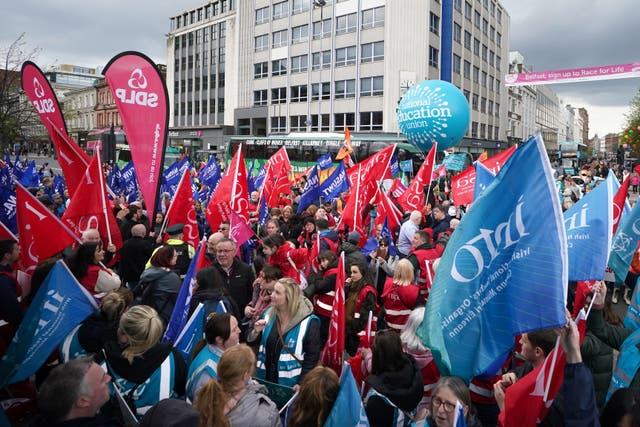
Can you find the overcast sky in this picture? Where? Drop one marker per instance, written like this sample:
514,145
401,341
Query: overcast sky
551,34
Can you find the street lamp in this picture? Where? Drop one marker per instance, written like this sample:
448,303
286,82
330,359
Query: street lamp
320,4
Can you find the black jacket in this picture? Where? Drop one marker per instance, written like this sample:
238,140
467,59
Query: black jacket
133,256
238,283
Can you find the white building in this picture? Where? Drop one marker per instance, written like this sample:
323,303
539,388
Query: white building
522,103
78,106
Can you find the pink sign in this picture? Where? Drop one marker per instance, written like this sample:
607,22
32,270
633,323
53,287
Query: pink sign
606,72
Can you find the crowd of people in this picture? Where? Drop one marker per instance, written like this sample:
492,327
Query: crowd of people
279,297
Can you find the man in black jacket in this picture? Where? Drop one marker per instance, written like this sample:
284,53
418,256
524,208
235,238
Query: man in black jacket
237,275
134,253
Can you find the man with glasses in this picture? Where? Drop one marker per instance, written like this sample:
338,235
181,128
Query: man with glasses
238,276
224,229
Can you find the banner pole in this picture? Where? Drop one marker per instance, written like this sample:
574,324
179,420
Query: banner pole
102,198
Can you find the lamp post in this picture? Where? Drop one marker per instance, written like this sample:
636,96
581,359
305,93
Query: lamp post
320,4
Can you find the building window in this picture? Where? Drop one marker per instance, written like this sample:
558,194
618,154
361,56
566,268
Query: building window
321,59
493,9
299,93
315,91
483,79
262,42
325,122
434,23
467,69
498,61
474,129
300,34
371,86
343,120
499,17
345,56
279,67
279,95
371,120
490,84
260,70
476,74
300,63
372,52
497,86
497,112
458,5
322,29
499,39
474,101
373,17
457,32
433,56
476,47
298,123
299,6
467,94
483,128
260,97
485,27
456,63
496,131
476,19
279,38
492,33
346,23
490,108
492,57
485,49
483,104
262,15
278,124
345,89
467,40
280,10
468,10
489,131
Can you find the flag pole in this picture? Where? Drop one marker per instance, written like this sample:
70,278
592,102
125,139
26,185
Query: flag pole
547,386
166,214
102,198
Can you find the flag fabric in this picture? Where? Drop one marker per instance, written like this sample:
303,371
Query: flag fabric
455,161
88,208
347,147
114,179
484,156
632,318
458,417
59,306
334,348
395,166
239,230
276,178
507,260
257,181
335,183
42,233
625,244
311,191
173,174
129,182
347,410
440,171
263,214
386,232
180,313
6,233
210,176
192,332
30,176
231,193
387,211
182,210
413,198
484,177
589,224
620,202
141,96
397,188
59,185
8,208
325,161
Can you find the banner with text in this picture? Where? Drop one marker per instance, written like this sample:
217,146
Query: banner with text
606,72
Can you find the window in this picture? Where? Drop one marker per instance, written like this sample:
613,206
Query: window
371,120
261,42
493,9
324,122
315,91
345,56
457,32
260,70
373,17
476,74
322,29
467,40
298,123
490,107
280,10
262,15
433,56
300,63
299,6
279,38
492,33
346,23
299,34
467,69
321,59
476,46
485,27
492,57
260,97
474,129
467,94
342,120
490,84
498,61
345,89
474,101
496,131
489,131
485,49
456,63
497,112
279,67
372,52
299,93
497,86
476,19
468,10
279,95
483,104
434,23
499,17
278,124
483,79
498,39
458,5
371,86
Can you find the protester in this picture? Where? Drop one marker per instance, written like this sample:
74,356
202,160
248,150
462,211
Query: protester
321,290
407,230
622,407
237,276
134,255
382,264
262,290
11,311
351,249
438,221
400,296
171,413
233,399
318,392
160,284
361,299
144,368
329,239
421,257
307,236
221,332
446,393
184,250
288,335
280,253
85,266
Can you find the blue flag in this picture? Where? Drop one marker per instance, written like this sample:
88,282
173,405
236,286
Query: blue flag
325,161
393,165
114,180
386,232
335,184
263,214
311,192
59,306
171,176
484,177
455,161
347,410
625,244
632,319
129,182
6,178
59,185
30,176
256,182
589,225
406,166
458,418
504,271
192,333
180,313
210,174
8,208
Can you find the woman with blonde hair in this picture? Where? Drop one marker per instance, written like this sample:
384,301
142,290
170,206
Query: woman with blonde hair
400,296
233,399
288,335
141,366
318,392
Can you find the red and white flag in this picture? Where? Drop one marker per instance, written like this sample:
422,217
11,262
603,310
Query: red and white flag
334,348
413,198
387,210
182,211
5,233
619,201
276,180
89,207
231,194
42,233
397,188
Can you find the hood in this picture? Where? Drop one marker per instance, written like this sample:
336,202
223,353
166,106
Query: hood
142,366
153,273
422,359
166,281
304,310
403,387
348,247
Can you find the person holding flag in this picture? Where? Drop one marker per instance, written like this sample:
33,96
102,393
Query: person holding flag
449,393
361,309
11,311
321,290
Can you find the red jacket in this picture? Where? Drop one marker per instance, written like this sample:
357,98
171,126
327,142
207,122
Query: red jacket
286,257
398,302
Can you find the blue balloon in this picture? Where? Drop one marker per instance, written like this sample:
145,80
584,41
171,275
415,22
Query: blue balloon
433,111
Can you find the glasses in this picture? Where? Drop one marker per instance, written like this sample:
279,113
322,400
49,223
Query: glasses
382,245
447,406
222,229
224,251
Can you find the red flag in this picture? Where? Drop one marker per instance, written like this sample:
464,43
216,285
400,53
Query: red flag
440,172
334,348
619,201
375,166
276,180
347,147
413,198
42,233
280,186
202,261
231,194
397,188
387,210
5,233
141,96
313,265
88,208
182,211
239,230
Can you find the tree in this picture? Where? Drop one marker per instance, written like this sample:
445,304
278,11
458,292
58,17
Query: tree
16,113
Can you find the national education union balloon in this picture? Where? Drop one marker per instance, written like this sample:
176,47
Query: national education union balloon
433,111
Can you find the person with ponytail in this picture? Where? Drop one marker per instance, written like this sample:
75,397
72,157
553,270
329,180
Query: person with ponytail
318,392
221,333
233,400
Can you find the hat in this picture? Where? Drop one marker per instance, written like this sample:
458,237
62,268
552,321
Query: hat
309,219
354,237
170,413
175,228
